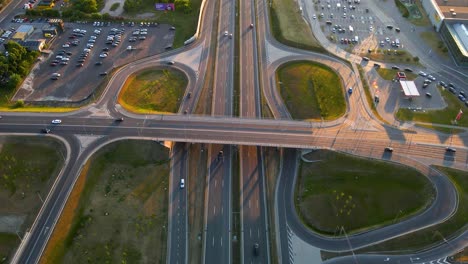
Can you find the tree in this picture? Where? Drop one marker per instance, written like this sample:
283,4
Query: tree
86,6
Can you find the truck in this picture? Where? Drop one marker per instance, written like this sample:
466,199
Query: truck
351,29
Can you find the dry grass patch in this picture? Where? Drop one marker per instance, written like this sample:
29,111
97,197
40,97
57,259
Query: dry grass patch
121,215
154,91
28,169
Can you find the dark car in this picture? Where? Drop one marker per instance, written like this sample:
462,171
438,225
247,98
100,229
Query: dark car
256,249
408,70
98,63
120,119
103,73
395,67
365,58
45,130
450,149
79,65
389,149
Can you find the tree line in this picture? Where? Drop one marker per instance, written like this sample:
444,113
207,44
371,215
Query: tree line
15,64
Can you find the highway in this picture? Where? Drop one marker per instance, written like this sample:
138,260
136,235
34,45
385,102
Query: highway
177,239
217,238
357,133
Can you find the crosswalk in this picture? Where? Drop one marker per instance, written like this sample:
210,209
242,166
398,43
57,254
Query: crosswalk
437,261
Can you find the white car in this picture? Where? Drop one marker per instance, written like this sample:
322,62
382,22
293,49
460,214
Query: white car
65,46
56,121
314,16
432,78
182,183
423,74
226,33
103,55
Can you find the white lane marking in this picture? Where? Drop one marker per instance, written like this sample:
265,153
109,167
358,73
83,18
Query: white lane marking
222,210
221,242
213,241
214,210
216,183
250,232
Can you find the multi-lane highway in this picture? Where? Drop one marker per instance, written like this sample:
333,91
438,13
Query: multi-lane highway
259,55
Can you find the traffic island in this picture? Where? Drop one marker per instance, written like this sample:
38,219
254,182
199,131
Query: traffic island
311,91
151,91
337,193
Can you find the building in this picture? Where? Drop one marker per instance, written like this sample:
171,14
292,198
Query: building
37,44
450,19
23,32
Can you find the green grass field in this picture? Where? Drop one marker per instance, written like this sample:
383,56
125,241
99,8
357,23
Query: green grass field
444,116
401,56
342,190
154,91
311,90
117,212
28,168
423,238
436,43
289,28
390,74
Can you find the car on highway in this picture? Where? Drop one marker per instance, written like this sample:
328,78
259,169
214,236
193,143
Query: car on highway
182,183
395,67
226,33
56,121
408,70
350,90
252,25
389,149
45,130
103,73
120,119
256,249
170,63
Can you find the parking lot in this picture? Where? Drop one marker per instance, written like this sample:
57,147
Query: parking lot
354,25
83,55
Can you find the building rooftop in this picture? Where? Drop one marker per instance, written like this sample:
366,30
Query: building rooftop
459,32
25,29
460,7
409,88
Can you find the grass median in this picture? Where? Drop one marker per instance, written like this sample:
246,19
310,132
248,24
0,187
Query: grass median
153,91
390,74
358,194
288,26
435,234
117,211
28,166
311,90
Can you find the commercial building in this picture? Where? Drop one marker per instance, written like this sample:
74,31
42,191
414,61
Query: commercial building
450,18
23,32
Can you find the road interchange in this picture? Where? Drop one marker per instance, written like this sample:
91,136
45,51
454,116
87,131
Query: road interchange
219,129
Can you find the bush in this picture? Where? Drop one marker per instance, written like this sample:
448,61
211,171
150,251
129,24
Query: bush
114,6
18,104
416,59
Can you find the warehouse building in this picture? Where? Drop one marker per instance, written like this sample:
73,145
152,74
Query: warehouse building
450,19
